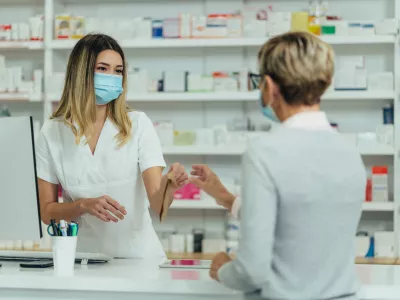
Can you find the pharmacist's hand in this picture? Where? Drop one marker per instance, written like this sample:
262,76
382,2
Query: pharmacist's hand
104,208
181,177
219,260
205,179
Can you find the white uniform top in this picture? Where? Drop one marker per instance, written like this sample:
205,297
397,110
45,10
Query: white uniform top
111,171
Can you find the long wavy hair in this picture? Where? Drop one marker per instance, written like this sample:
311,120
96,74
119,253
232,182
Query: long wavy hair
77,107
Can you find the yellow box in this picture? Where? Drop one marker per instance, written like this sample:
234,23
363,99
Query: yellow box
299,21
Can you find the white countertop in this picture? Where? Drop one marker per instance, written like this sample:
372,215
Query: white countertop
136,276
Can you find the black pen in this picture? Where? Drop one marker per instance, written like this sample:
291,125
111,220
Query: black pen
54,226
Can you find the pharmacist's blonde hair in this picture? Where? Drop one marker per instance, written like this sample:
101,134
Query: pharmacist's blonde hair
77,107
301,64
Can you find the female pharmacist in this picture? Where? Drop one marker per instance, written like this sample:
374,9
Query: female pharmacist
303,186
104,155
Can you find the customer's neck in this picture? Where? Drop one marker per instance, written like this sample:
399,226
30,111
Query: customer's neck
290,111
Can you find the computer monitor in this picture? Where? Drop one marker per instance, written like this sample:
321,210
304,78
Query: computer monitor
19,197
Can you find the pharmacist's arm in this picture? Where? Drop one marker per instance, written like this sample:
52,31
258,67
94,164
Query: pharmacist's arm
251,268
151,164
51,209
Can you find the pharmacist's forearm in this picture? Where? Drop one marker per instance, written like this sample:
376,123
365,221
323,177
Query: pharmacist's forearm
62,211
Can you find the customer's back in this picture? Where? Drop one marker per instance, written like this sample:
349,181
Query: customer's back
320,182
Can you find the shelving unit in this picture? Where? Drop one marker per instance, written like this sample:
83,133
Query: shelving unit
213,43
240,149
207,109
252,96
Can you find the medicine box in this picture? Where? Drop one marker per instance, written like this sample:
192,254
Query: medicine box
62,27
381,81
379,184
77,27
351,73
387,27
384,244
175,81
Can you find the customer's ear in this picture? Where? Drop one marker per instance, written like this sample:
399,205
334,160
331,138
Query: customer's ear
271,90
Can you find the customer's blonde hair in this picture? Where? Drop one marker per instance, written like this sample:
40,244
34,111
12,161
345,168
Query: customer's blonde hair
301,64
77,107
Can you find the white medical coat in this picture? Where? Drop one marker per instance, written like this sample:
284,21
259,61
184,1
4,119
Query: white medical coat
111,171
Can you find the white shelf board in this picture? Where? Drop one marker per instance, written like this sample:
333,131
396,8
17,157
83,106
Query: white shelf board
211,204
196,204
30,45
225,42
378,206
204,150
19,97
244,96
358,95
239,150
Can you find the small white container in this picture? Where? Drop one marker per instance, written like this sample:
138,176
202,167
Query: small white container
177,243
189,243
64,252
384,244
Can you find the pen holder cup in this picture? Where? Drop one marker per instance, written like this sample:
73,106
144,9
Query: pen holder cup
64,251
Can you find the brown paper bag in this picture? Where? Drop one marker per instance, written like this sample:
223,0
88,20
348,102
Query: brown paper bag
167,198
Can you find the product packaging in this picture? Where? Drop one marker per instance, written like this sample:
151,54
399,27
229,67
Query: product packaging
62,27
77,27
387,27
382,81
171,28
384,244
379,184
157,29
199,26
350,73
234,26
165,131
175,81
299,21
217,26
185,26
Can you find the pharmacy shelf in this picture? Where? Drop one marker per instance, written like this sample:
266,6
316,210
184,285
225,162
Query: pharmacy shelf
225,42
211,204
239,150
28,45
244,96
19,97
378,206
204,150
196,204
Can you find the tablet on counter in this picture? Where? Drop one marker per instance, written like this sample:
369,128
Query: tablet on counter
187,264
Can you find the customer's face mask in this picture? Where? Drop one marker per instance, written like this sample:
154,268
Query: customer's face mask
267,110
107,87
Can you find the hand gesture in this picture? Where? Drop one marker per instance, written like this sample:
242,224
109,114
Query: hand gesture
180,175
104,208
219,260
205,179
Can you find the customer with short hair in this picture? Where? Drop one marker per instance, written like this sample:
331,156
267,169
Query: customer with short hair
303,185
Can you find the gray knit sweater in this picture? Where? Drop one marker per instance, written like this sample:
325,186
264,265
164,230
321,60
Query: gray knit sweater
302,201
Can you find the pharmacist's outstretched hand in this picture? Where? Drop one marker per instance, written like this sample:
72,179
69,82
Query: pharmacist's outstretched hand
181,177
105,208
204,178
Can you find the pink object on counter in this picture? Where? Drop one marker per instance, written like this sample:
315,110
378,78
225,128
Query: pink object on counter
188,192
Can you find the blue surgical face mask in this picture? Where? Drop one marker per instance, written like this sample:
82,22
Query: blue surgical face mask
267,110
107,87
